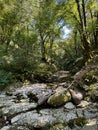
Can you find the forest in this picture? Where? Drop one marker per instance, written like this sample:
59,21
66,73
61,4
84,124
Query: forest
48,64
39,37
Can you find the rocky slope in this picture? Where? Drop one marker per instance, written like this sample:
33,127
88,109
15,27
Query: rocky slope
20,110
50,106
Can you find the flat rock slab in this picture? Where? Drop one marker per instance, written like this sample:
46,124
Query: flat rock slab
17,108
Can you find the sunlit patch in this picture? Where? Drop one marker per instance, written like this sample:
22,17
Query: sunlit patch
66,31
92,122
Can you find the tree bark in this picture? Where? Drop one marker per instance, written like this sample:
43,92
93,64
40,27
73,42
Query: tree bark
43,51
75,42
83,35
84,14
96,30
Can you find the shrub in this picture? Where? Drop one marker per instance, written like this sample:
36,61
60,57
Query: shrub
5,78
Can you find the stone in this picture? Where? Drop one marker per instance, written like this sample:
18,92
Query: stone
38,92
30,88
26,115
33,119
71,115
76,96
60,76
59,98
14,128
89,114
69,105
83,104
5,128
18,107
6,103
25,118
91,125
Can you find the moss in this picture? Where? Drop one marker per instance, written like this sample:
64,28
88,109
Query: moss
77,122
59,99
58,126
90,77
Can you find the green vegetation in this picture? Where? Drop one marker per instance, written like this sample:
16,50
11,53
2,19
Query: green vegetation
32,42
5,78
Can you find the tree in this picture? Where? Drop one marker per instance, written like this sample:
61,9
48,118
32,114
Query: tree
47,26
80,15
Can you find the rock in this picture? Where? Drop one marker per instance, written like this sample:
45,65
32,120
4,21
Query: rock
30,88
14,128
25,116
34,92
45,117
89,115
60,76
6,128
42,100
17,108
6,101
91,125
83,104
69,105
71,115
76,96
59,98
33,120
80,113
38,92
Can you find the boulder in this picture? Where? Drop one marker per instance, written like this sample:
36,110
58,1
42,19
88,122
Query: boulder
76,96
59,98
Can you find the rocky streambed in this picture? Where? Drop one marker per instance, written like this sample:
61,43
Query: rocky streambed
38,107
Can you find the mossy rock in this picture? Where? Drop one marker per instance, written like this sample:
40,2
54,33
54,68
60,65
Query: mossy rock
59,99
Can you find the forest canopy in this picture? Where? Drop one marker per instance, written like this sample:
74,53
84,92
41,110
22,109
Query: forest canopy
32,36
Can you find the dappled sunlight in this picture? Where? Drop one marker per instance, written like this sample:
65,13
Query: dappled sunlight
92,122
8,59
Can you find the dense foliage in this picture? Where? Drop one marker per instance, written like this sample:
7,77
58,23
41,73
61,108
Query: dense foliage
32,36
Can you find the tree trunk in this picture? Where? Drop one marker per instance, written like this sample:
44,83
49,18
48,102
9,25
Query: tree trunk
43,51
93,40
51,51
84,14
96,30
83,34
75,42
86,48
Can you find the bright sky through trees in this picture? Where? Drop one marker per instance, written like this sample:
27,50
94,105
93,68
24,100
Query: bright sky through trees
66,31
